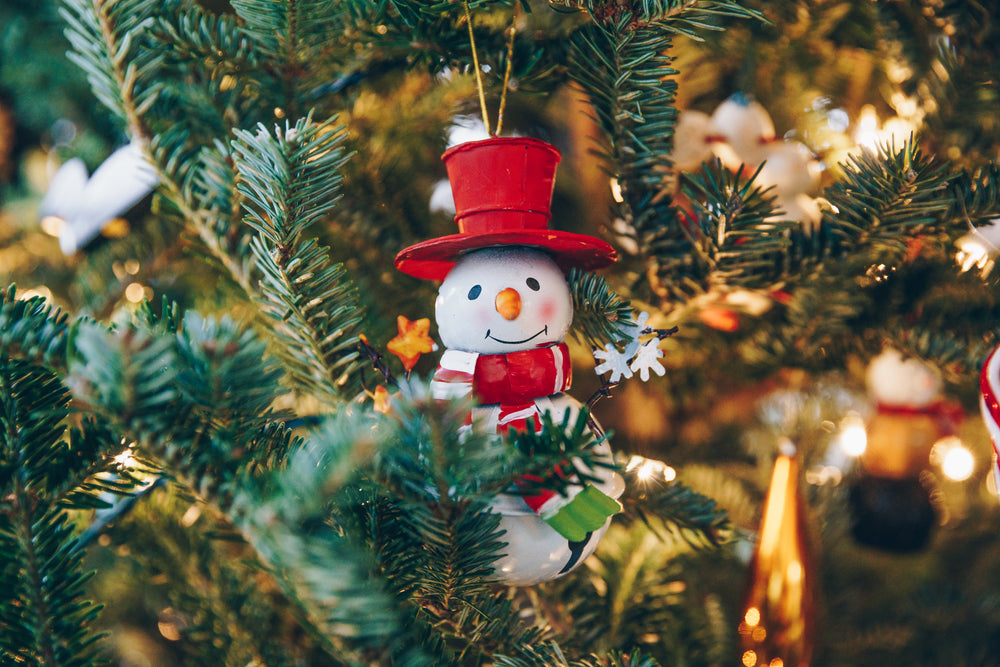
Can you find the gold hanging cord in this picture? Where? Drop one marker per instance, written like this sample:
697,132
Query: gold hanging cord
479,74
506,73
475,63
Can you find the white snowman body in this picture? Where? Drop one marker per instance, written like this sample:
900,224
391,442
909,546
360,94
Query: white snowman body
508,299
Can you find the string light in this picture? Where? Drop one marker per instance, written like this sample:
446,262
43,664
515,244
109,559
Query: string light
869,134
650,469
135,292
852,438
978,249
52,225
125,459
955,459
41,291
616,191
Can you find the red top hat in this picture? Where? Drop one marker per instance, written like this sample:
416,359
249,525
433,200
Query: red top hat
503,196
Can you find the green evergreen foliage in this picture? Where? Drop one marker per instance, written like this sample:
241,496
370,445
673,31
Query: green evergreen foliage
732,239
302,292
32,330
296,143
44,475
599,314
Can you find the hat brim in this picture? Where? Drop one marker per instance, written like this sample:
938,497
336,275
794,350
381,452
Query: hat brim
433,259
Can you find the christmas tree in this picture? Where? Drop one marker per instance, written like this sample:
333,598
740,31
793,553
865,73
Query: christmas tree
226,437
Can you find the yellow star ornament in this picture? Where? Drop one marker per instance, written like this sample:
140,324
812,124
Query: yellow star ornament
413,340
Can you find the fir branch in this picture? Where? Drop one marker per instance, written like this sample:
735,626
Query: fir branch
286,517
434,535
598,313
196,399
107,40
110,42
42,609
89,468
32,330
289,180
76,473
543,654
194,37
886,197
976,196
959,356
428,461
291,37
44,615
733,239
625,72
128,375
559,456
622,63
225,369
685,17
676,508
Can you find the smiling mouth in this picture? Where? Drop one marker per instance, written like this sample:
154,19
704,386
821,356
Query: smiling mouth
544,330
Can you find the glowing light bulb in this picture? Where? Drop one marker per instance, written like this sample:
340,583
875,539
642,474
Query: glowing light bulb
125,459
616,191
649,469
41,291
957,462
867,134
135,292
978,249
52,225
852,439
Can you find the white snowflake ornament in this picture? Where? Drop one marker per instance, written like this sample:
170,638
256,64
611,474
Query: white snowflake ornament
647,360
643,356
618,362
614,361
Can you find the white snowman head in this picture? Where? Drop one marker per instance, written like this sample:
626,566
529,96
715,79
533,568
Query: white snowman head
900,381
503,299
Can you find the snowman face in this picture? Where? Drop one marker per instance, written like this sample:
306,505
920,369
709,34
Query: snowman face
499,300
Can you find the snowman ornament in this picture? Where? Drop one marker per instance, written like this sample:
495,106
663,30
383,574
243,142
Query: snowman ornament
503,311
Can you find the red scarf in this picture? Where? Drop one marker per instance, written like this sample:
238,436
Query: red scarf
514,380
947,414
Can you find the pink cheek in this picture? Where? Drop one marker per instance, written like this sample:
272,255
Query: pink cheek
547,310
482,317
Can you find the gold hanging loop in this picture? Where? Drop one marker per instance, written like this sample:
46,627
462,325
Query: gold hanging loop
475,62
506,73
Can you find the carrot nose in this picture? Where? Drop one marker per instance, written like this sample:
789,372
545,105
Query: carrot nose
508,303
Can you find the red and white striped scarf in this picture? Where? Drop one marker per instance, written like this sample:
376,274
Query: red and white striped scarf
513,380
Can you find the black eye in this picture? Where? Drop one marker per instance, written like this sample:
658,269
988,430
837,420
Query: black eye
475,292
533,284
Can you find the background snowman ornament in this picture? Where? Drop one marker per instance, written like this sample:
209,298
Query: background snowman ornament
741,135
503,311
891,500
